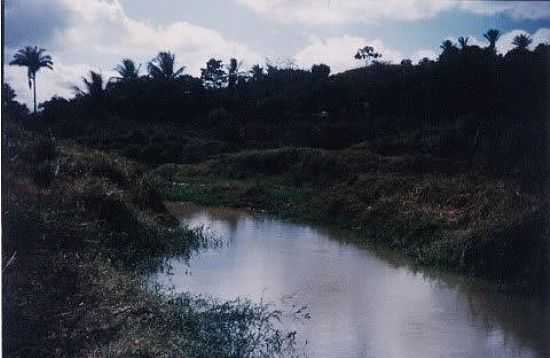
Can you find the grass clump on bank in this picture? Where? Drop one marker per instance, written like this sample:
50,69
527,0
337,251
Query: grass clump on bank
76,250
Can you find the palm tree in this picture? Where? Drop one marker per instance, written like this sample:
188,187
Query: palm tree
447,46
522,41
34,59
93,86
127,70
162,67
463,41
257,72
492,36
450,50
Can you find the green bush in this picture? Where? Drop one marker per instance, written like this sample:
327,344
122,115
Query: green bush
146,194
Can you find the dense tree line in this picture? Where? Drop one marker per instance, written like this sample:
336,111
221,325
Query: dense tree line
470,104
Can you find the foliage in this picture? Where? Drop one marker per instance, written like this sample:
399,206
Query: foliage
127,70
495,128
93,87
492,35
522,41
213,75
34,59
10,105
76,251
163,67
367,54
320,71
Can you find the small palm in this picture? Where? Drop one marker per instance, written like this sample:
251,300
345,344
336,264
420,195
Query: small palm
127,70
492,36
522,41
163,67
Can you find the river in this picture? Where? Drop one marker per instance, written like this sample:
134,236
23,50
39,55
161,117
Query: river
345,300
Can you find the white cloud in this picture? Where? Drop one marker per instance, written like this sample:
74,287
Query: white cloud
342,11
338,52
99,34
315,12
531,10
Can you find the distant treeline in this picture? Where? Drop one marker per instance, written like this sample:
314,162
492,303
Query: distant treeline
471,104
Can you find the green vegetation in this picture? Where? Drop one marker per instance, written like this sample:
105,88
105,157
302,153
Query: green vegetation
82,228
465,222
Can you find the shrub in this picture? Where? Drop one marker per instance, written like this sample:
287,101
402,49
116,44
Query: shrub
146,195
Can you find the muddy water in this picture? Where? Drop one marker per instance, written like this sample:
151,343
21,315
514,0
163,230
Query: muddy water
358,303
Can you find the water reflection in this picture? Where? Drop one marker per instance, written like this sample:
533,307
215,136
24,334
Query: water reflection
357,302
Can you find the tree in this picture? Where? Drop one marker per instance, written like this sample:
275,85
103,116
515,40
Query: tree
34,59
127,70
8,94
406,62
449,50
463,41
257,73
367,54
522,41
213,76
320,71
425,61
492,35
93,87
233,72
9,105
447,45
163,67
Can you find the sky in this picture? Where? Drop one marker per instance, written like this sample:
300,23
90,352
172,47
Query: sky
84,35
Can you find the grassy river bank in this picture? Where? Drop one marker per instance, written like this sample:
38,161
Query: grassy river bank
82,228
435,213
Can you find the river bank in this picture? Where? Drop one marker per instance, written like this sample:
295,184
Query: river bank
451,219
83,227
82,230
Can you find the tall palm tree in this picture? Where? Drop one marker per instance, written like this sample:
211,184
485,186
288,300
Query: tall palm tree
162,67
492,36
127,70
463,41
34,59
522,41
